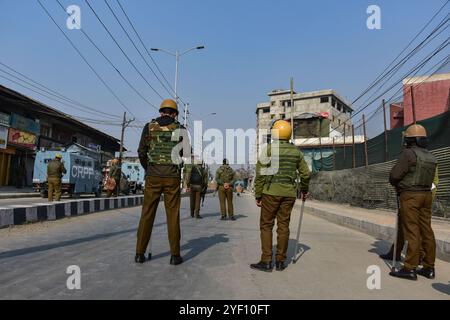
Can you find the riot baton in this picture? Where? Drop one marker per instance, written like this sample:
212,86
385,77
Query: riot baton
394,254
297,254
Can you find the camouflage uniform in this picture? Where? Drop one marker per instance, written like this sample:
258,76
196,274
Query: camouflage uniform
278,193
158,139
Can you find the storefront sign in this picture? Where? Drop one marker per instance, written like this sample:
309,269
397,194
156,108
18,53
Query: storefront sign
21,138
4,119
3,137
25,124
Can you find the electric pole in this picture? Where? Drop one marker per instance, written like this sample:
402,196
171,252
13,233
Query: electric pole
292,109
125,124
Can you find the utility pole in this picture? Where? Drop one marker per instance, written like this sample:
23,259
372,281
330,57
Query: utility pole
125,124
186,112
292,109
177,60
365,141
413,106
385,133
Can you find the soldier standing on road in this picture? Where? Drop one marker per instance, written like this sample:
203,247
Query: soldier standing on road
224,179
158,142
114,173
196,180
55,171
413,177
276,192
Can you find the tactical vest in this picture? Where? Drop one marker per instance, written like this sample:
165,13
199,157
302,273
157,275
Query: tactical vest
422,175
161,141
227,173
288,157
196,176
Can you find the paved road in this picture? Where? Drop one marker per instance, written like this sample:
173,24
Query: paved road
34,258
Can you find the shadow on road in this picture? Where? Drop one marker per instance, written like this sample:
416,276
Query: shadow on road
302,249
382,247
45,247
442,287
197,246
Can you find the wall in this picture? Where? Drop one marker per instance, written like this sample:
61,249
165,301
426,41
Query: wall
430,99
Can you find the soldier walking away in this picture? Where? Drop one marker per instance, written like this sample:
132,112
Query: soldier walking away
163,176
276,194
55,171
413,177
196,179
114,173
224,178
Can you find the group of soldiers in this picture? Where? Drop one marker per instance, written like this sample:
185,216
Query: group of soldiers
276,192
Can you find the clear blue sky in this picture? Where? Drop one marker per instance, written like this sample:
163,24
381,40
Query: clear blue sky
252,47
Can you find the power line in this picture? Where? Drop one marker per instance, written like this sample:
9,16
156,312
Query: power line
82,56
71,105
137,49
124,53
113,66
404,49
402,62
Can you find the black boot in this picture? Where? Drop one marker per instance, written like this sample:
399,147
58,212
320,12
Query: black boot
199,217
427,273
192,214
176,260
262,266
280,266
404,274
149,256
232,218
139,258
389,256
223,218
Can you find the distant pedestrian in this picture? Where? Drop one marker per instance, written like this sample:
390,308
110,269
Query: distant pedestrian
225,176
55,171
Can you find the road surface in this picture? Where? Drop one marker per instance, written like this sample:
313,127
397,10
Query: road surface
34,259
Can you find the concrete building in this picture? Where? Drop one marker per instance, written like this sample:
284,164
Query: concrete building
27,125
431,98
320,118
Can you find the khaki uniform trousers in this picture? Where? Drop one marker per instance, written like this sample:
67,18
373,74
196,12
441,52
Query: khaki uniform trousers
154,188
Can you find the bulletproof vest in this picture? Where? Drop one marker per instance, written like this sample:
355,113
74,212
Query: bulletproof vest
288,157
196,176
422,175
227,174
161,141
54,169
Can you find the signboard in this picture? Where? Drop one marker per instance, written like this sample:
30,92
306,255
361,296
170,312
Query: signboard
3,137
25,124
21,138
4,119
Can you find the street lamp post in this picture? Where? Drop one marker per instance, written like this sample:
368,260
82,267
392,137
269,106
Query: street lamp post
177,56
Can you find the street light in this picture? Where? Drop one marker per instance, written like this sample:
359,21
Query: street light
177,56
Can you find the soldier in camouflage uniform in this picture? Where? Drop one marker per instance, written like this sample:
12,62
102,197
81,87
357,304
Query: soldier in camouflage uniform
55,171
276,192
196,180
224,178
157,152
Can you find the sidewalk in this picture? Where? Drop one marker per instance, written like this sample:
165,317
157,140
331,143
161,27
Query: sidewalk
13,192
378,223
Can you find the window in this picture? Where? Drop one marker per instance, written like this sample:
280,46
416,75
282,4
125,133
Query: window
339,107
136,167
333,102
324,99
266,110
46,130
339,122
272,116
287,103
129,167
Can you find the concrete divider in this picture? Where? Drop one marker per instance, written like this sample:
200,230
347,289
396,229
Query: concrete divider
21,214
16,215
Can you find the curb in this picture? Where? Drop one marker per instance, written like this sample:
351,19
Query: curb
54,211
378,231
